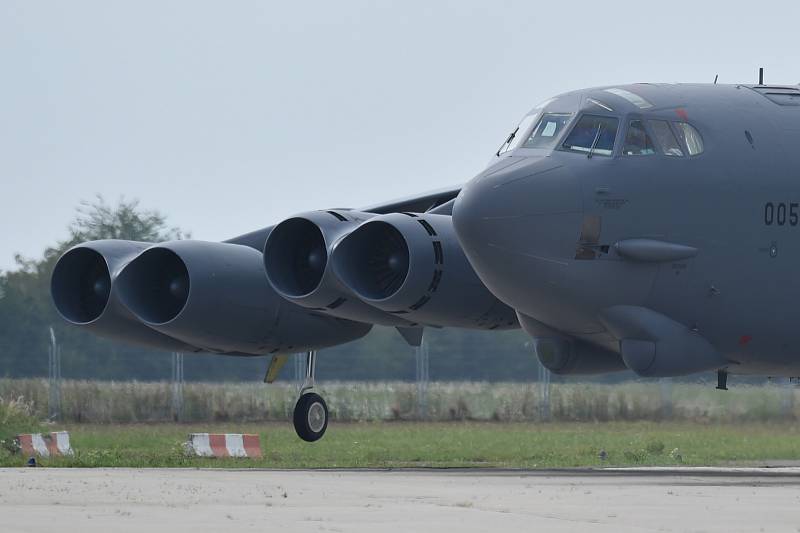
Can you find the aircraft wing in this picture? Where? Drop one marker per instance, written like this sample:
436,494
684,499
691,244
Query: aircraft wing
418,203
436,201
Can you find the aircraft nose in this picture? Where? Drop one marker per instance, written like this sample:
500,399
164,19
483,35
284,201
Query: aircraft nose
520,220
535,198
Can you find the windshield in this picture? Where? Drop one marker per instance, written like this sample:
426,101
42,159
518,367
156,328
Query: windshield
665,138
546,132
691,137
593,134
516,136
637,141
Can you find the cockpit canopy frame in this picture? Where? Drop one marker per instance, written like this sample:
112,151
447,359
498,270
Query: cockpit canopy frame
596,128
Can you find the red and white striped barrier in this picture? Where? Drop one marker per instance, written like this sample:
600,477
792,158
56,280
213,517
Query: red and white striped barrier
47,445
223,445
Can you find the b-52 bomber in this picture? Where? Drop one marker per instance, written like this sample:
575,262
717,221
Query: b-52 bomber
649,227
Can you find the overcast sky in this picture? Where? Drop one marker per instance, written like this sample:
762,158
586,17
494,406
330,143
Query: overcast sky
229,116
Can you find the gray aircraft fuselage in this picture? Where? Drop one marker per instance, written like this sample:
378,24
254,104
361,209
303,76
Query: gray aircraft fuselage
605,245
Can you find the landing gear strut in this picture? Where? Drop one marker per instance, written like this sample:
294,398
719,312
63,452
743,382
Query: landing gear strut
310,412
722,380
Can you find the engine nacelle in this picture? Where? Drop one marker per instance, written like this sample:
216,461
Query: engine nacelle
412,266
84,290
296,260
216,296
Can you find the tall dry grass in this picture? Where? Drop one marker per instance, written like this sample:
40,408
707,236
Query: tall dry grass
17,416
122,402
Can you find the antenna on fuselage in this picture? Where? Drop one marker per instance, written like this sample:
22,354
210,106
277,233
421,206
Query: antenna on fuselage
761,76
716,78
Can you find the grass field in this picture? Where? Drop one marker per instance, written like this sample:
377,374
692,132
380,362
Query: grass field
136,402
453,444
470,425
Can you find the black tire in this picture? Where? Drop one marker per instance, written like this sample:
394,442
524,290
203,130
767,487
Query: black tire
310,417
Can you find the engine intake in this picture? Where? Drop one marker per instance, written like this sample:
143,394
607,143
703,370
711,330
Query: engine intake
296,259
81,285
155,287
374,261
83,288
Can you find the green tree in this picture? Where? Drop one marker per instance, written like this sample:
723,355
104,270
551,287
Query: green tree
27,311
125,220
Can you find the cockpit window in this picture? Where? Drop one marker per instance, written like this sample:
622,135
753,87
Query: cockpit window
690,137
665,138
594,135
633,98
637,141
546,132
518,135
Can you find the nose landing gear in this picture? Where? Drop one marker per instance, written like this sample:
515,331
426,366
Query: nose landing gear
310,412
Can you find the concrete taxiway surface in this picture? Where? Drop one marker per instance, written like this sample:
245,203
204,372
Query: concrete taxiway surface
123,500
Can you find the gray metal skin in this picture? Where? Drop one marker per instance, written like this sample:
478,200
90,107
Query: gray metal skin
411,265
670,262
215,296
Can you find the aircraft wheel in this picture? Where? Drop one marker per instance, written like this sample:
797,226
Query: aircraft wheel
310,417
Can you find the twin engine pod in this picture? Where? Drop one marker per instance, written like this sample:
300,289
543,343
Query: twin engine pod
215,296
297,261
412,266
84,290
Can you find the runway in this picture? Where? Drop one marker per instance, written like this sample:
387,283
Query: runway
169,500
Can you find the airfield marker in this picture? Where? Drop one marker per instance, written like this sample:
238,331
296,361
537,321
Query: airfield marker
224,445
49,445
